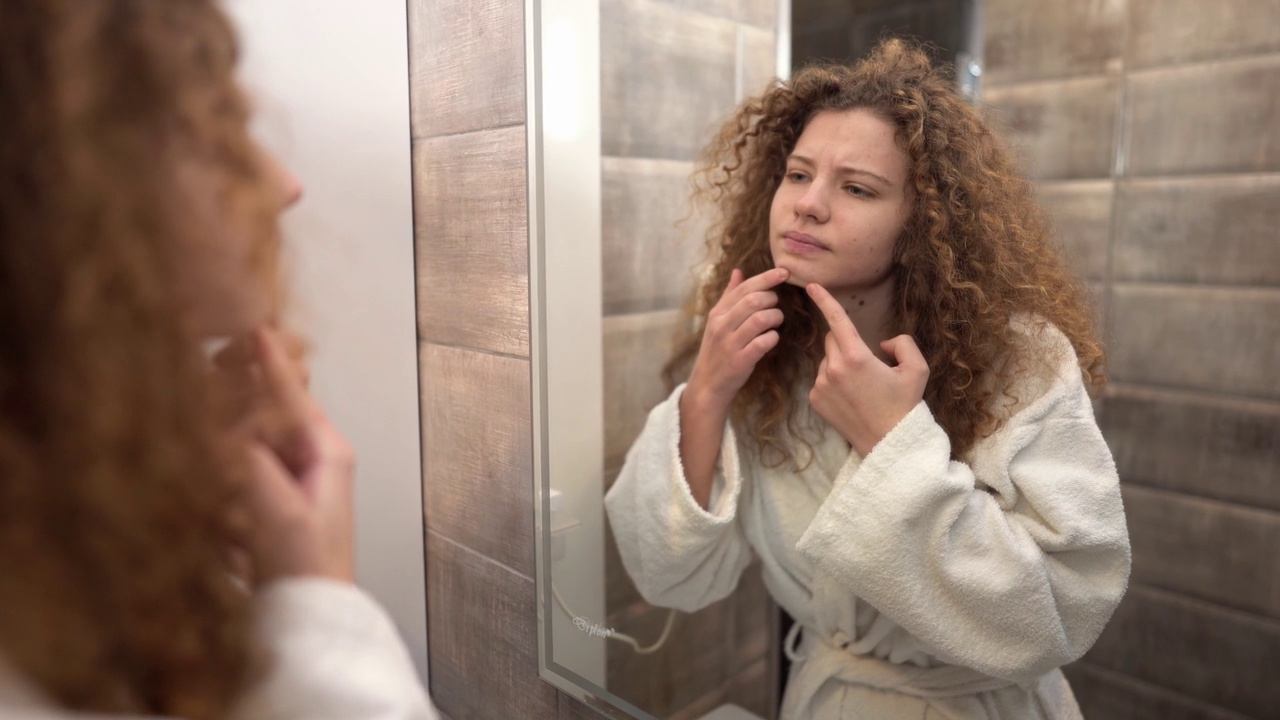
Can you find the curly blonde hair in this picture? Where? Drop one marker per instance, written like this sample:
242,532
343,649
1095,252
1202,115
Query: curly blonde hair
118,494
975,250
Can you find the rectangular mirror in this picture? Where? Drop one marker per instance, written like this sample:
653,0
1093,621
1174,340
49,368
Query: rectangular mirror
622,96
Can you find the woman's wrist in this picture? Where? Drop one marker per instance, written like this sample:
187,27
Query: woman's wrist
700,402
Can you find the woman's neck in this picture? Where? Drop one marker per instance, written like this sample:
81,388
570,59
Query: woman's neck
871,310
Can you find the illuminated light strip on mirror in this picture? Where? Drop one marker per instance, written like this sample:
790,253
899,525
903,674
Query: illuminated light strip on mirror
563,134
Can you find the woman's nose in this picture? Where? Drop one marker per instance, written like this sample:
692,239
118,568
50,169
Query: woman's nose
812,204
290,188
287,185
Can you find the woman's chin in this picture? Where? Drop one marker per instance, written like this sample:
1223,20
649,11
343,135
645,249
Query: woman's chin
797,279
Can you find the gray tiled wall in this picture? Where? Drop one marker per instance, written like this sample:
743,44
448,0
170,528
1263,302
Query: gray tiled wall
1151,126
471,237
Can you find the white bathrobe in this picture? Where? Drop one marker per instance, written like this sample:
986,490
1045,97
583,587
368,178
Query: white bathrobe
335,656
925,587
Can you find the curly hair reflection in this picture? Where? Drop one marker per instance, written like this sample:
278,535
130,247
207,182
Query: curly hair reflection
975,248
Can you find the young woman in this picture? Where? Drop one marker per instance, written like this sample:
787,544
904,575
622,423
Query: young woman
887,403
175,534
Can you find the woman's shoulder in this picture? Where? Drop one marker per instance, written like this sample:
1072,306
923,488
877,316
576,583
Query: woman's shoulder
1042,371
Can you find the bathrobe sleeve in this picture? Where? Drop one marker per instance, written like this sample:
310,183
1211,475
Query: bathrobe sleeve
333,655
678,555
1011,565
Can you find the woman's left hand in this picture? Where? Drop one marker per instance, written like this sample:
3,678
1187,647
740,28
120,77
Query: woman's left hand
855,392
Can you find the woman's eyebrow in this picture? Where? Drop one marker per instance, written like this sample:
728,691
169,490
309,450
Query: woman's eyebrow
844,169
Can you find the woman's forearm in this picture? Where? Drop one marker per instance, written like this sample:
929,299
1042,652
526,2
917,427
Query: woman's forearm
701,432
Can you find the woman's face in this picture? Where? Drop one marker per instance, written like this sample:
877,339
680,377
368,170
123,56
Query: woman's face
842,204
226,287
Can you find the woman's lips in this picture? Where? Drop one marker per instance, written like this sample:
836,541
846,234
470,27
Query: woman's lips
800,243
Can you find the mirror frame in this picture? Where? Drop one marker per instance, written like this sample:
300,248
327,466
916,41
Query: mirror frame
563,136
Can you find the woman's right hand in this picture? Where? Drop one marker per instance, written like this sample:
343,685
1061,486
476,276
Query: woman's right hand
300,487
739,330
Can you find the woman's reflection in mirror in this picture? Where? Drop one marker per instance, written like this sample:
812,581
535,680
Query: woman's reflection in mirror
887,401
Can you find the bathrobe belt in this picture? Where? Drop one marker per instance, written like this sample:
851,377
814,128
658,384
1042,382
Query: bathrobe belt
824,659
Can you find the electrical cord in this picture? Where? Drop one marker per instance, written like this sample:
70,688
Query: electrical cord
619,637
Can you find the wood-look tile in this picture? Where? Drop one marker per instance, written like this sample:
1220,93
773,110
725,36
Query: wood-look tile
759,62
1200,338
753,612
483,637
477,454
1055,40
1163,32
1216,118
808,13
1104,694
1204,445
649,247
694,661
760,13
635,349
1063,129
702,706
471,232
466,65
1208,549
620,589
821,44
573,709
754,689
1081,214
667,78
938,24
1218,656
1208,230
1098,296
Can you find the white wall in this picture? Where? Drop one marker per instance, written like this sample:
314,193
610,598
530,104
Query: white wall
331,79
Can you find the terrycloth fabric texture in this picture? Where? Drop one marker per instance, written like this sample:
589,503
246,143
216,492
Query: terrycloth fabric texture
335,655
925,587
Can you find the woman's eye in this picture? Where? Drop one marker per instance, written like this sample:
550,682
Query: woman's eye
796,176
856,191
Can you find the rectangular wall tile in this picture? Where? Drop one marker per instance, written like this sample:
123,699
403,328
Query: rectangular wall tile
760,13
467,71
1201,338
1216,551
1220,657
1214,230
1081,214
471,228
1162,32
936,21
694,660
758,66
1215,118
755,689
483,644
1104,694
477,454
1053,40
1064,129
1204,445
635,349
753,618
806,13
648,252
573,709
667,78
